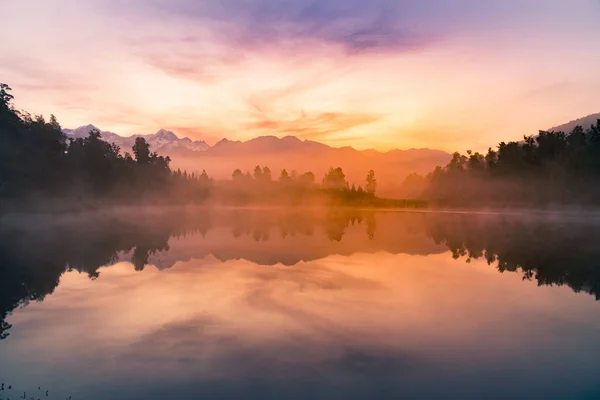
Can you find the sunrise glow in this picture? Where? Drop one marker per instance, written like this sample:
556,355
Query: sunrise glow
382,74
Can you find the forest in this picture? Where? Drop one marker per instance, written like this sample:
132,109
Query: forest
41,168
548,169
292,188
38,164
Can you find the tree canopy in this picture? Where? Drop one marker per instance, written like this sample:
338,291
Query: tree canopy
37,161
549,168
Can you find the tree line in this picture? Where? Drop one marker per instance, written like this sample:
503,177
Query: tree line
550,168
334,179
41,167
262,186
293,188
37,161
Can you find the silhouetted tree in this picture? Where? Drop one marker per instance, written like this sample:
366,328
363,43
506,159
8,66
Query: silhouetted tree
5,96
371,183
258,173
266,173
307,179
284,177
204,176
237,175
37,161
141,150
549,168
335,179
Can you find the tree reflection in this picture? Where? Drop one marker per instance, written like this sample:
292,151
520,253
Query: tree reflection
551,252
371,226
35,253
335,225
33,256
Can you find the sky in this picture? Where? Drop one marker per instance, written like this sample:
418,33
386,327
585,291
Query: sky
383,74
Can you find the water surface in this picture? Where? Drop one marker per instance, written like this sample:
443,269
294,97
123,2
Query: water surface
159,304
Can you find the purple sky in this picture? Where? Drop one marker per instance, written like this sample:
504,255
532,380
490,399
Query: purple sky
450,74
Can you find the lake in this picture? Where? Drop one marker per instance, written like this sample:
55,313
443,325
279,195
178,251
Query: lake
294,304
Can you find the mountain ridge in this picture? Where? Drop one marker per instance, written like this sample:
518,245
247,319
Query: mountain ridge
585,122
296,156
162,141
288,152
272,140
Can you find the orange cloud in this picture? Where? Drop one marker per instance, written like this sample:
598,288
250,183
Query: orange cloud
314,126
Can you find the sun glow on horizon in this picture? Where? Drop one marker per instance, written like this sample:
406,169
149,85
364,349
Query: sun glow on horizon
337,72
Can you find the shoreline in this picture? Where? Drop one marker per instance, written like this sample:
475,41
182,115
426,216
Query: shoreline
67,210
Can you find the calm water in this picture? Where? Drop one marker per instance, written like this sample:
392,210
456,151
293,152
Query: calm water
190,304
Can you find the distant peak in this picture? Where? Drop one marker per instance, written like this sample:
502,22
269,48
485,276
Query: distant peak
165,134
81,131
88,127
225,141
291,139
265,137
584,122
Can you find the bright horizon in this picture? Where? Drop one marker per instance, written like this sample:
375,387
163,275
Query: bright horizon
383,74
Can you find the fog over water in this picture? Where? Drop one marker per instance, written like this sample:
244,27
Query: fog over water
155,303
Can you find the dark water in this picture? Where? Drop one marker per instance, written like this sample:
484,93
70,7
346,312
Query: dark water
280,304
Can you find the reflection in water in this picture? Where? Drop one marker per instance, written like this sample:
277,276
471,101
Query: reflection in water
353,303
552,252
36,251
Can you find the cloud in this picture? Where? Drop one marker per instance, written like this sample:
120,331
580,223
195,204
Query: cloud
316,125
285,111
356,25
34,74
188,55
235,67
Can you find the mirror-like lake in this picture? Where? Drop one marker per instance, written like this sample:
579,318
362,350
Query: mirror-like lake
290,304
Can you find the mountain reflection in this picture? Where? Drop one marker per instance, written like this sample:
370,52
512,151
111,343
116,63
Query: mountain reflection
37,250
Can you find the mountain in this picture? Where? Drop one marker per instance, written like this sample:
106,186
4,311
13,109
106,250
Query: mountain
293,154
83,131
585,122
265,145
288,152
163,141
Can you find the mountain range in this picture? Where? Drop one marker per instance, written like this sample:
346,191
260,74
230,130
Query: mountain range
585,122
293,154
288,153
163,141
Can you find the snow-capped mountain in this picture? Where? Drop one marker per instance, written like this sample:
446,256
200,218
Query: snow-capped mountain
288,152
83,131
163,141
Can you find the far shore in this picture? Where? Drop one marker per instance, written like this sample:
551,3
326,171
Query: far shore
56,208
